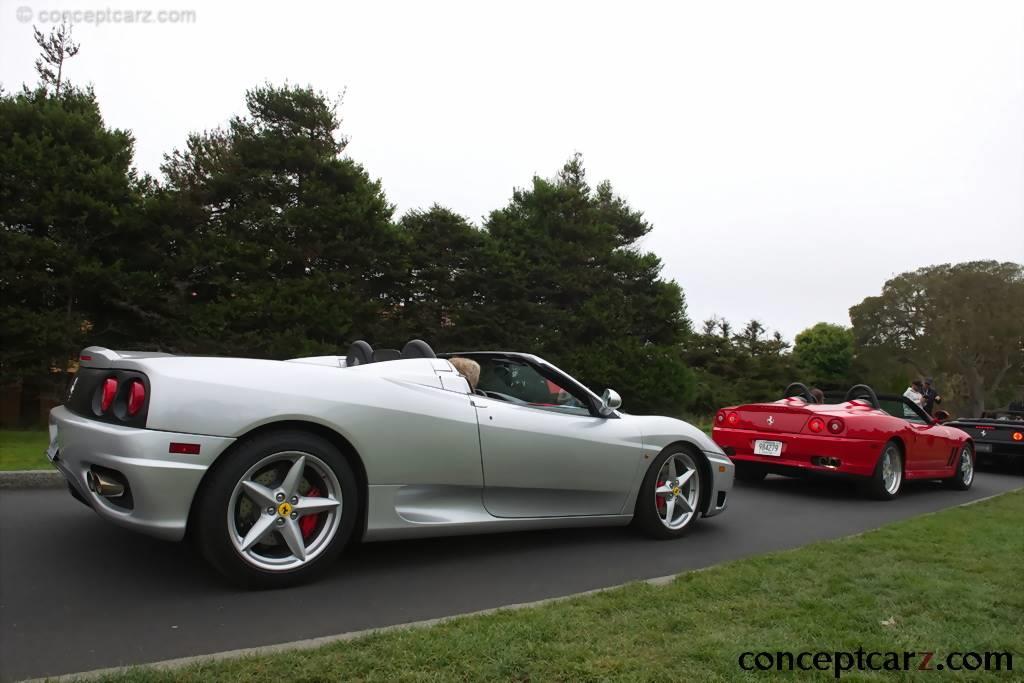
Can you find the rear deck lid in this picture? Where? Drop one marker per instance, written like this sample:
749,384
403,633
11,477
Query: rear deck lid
784,418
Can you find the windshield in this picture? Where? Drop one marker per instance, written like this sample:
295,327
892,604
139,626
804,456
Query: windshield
518,382
903,408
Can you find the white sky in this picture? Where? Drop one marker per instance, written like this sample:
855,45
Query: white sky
791,156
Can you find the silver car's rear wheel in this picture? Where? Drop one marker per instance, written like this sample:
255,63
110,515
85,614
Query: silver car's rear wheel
284,511
277,508
678,491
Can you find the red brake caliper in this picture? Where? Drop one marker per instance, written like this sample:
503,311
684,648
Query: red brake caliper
308,523
659,501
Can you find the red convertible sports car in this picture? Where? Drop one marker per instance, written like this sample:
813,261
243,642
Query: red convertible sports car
882,440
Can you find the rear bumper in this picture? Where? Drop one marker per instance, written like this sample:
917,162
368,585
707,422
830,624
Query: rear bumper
857,457
1008,451
161,484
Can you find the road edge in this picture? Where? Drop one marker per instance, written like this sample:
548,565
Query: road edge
31,479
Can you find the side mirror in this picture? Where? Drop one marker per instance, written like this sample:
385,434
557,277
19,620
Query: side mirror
610,402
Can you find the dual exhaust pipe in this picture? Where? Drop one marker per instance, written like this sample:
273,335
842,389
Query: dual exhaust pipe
104,485
827,462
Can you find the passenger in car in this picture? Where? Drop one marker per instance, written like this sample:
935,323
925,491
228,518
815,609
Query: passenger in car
469,369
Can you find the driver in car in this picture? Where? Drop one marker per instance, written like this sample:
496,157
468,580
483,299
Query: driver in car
469,369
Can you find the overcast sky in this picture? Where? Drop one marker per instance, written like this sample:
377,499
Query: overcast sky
791,156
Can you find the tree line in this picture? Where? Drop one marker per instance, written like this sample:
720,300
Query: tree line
263,238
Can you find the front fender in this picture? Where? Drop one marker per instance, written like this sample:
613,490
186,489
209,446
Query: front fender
657,433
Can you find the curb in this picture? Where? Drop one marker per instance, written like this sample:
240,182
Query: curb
31,479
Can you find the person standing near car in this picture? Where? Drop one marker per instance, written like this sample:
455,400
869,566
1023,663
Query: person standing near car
929,396
915,392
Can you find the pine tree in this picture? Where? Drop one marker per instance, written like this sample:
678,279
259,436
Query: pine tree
278,245
566,280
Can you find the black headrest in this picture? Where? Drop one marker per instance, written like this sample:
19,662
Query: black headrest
359,353
418,348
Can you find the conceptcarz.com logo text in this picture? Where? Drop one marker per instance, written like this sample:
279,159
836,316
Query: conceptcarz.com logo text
105,15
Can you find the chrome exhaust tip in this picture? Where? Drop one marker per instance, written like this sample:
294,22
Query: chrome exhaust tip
101,486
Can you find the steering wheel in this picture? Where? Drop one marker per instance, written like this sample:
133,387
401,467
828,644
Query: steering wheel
360,353
863,391
796,389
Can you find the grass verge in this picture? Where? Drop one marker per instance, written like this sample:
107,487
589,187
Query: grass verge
948,582
23,449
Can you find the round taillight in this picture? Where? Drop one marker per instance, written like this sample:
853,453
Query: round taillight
1018,436
732,418
136,396
835,426
109,392
816,425
720,418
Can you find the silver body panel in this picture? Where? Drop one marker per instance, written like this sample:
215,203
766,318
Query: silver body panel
439,460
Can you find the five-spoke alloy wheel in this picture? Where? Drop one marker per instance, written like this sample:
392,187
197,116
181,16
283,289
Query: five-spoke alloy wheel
670,496
964,475
887,479
277,510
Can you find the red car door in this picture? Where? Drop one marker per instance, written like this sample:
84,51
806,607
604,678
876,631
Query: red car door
930,450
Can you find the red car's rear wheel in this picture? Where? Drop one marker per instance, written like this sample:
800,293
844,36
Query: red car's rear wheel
887,480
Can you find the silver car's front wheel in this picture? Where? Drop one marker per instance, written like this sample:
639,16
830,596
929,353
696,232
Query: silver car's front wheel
669,499
677,491
284,511
276,509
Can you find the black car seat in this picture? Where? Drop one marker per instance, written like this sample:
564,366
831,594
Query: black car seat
359,353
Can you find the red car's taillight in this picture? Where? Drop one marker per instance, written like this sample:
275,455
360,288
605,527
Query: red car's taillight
816,425
835,426
733,419
109,392
720,417
136,396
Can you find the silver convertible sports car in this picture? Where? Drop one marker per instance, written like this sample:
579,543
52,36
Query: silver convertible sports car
272,467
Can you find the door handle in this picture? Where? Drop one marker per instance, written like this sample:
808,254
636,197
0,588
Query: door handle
477,405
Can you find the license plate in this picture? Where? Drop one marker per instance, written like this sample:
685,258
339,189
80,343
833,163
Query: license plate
767,447
983,447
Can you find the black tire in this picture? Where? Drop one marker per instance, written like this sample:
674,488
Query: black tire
875,487
211,532
646,517
749,472
962,480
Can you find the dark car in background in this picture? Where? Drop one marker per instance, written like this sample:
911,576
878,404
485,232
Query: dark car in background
998,435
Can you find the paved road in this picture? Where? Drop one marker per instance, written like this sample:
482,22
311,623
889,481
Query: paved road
79,594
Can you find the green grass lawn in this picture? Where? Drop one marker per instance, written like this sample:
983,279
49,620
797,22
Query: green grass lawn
948,582
23,449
